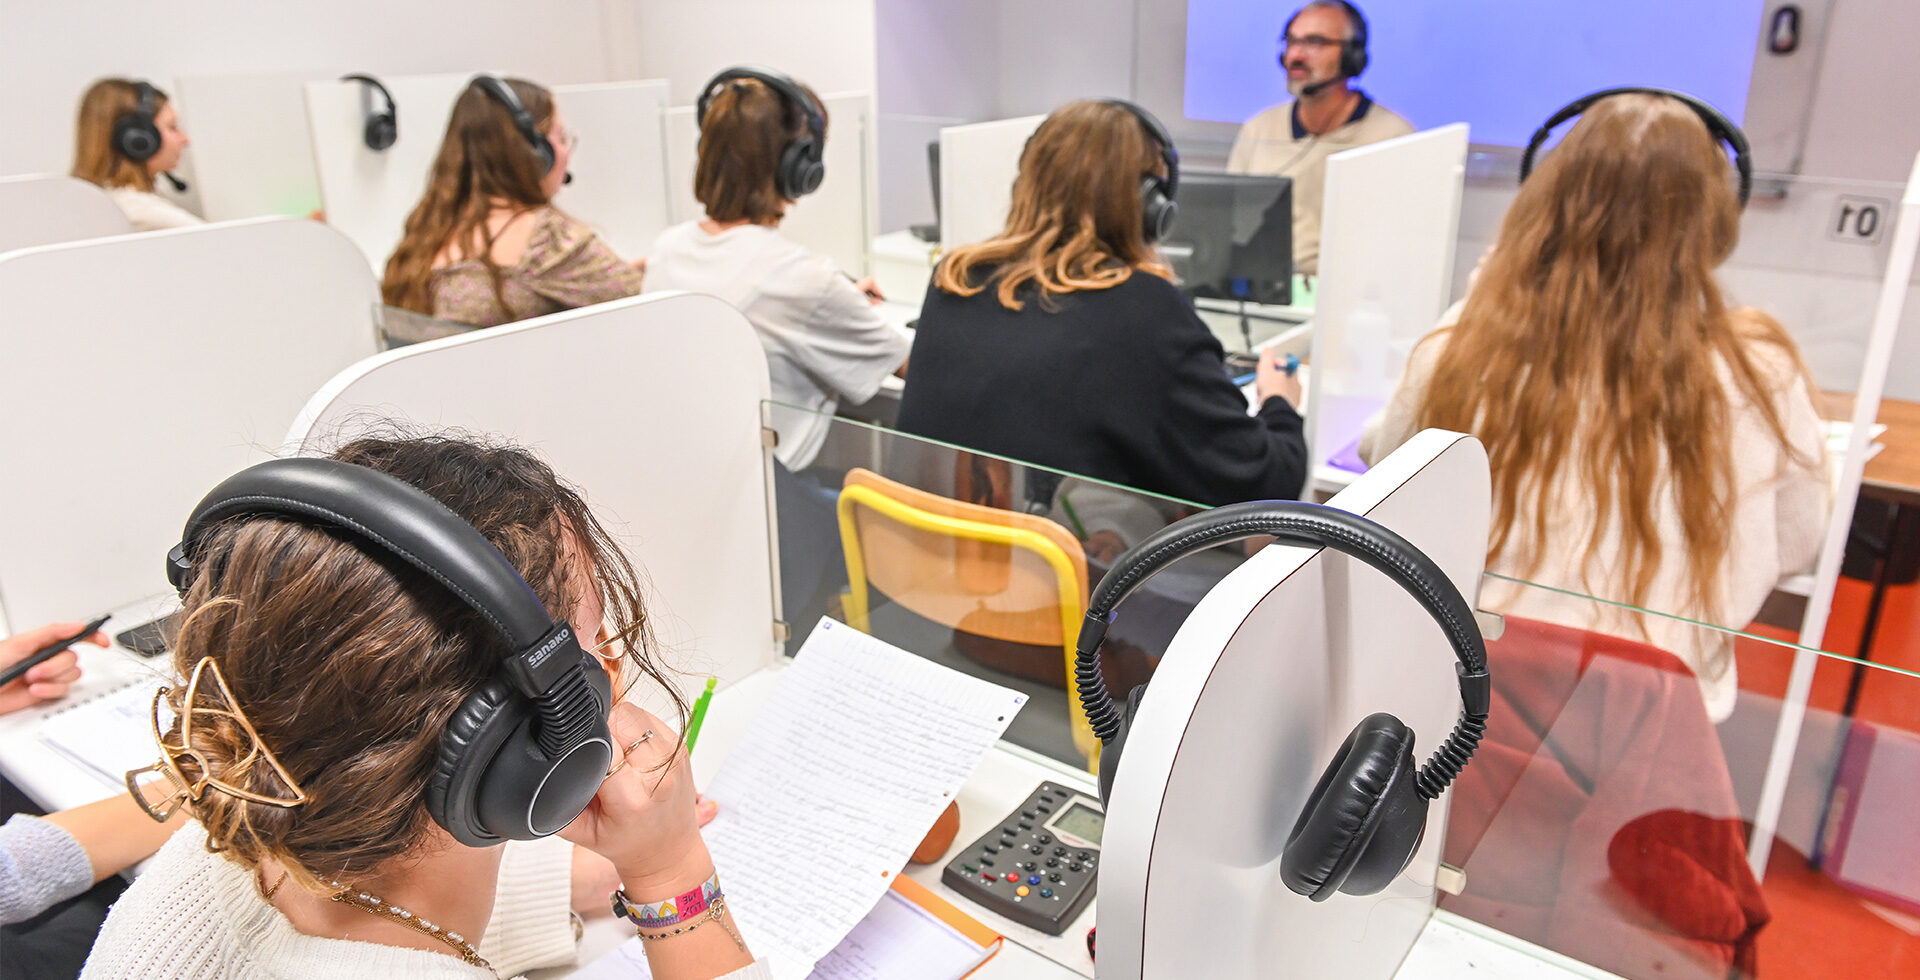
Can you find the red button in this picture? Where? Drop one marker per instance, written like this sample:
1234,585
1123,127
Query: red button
987,875
1012,877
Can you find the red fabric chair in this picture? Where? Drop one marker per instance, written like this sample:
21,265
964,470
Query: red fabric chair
1598,817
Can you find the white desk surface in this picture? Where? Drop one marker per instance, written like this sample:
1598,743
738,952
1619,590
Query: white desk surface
1450,947
51,779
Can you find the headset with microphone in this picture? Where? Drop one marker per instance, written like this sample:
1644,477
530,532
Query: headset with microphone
136,133
1353,50
1368,813
527,751
1722,129
543,151
382,127
1157,208
803,159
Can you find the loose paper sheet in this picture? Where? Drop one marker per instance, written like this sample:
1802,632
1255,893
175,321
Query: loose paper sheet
847,765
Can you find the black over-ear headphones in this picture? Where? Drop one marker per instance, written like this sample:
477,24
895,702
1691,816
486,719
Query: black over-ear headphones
135,135
1368,813
1156,192
803,159
502,93
382,127
1718,124
1353,51
527,751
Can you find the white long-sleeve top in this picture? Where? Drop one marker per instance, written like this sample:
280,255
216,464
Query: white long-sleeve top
1779,516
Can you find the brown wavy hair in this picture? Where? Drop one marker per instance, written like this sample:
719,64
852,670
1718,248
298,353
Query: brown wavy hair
746,127
350,662
483,161
94,158
1593,346
1076,218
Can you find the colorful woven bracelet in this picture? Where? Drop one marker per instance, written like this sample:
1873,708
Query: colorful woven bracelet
684,907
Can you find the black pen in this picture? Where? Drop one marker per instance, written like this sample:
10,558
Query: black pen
48,652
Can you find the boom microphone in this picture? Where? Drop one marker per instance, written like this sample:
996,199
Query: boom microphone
179,185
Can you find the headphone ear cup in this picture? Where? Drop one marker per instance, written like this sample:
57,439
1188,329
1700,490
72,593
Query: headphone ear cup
473,737
1364,819
800,171
136,138
1353,58
1157,209
382,130
543,149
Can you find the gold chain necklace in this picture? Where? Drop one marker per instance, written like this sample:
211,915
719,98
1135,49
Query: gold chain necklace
388,910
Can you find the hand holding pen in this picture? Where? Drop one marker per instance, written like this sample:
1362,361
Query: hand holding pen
1278,375
36,665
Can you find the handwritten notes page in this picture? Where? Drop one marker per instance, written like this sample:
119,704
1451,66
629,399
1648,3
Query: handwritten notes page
838,777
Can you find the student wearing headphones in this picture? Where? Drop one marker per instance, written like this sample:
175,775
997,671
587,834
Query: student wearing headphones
330,744
762,136
1322,49
127,135
1650,444
1064,342
486,246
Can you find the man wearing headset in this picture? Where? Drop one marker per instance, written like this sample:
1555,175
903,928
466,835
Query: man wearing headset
1323,47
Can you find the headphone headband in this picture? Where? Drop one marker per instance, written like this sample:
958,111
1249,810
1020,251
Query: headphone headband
382,128
136,135
1156,131
1718,125
802,164
524,754
523,120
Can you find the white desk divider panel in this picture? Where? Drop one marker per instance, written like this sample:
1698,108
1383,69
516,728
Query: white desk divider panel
139,371
1894,288
252,152
666,447
620,170
1391,216
978,162
45,209
369,194
1262,683
839,219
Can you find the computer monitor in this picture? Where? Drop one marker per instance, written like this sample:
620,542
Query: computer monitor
1234,237
931,233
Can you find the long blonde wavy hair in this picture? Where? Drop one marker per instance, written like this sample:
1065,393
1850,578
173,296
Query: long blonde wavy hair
1593,344
1075,222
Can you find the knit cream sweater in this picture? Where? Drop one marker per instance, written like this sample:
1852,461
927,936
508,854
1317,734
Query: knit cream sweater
194,915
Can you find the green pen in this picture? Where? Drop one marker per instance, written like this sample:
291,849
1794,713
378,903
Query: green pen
700,712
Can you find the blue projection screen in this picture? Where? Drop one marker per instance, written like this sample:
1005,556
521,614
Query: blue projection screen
1501,66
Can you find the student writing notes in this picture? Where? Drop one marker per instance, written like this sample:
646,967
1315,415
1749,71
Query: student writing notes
1063,342
486,245
761,139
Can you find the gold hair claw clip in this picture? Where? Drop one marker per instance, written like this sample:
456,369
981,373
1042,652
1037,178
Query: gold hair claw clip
170,755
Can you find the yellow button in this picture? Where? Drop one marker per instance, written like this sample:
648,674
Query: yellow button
1021,891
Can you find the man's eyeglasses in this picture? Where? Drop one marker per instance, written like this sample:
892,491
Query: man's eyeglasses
1312,42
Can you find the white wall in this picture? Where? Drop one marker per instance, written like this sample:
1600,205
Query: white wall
50,52
828,44
1866,106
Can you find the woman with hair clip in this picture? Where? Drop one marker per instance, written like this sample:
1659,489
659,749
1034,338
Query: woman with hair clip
761,139
1064,342
1650,445
127,135
486,246
324,674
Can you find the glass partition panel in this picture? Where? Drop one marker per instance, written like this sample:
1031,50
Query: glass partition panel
975,561
1611,812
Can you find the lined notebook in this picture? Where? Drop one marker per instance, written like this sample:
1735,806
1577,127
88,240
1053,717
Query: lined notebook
107,734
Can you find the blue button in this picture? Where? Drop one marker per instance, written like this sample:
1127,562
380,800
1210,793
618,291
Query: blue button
1046,893
1033,879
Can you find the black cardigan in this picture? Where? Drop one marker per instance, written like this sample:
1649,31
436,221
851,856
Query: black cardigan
1122,384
